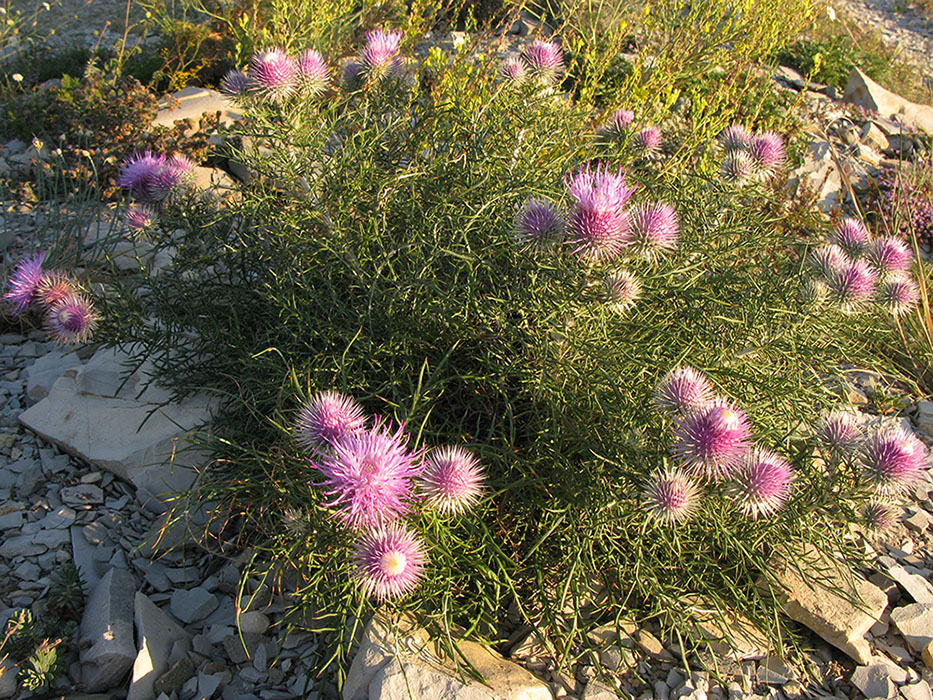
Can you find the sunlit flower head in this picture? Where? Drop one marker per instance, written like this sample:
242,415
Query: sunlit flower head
618,124
682,390
380,57
766,151
813,292
513,70
137,174
647,142
326,417
71,320
671,496
389,562
711,441
139,218
851,236
839,430
538,224
893,459
889,255
273,76
452,480
599,223
878,516
545,60
899,294
737,167
54,287
234,83
24,283
735,138
369,473
826,259
761,484
621,289
655,229
313,73
852,285
175,171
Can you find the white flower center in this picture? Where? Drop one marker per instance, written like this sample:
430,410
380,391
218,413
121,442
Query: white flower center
392,563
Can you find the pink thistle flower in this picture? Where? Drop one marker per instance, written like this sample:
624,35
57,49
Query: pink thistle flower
879,516
827,259
853,285
326,418
671,496
838,430
621,290
762,483
899,294
24,283
380,57
682,390
545,60
889,255
737,167
735,138
648,142
711,441
599,224
313,73
452,480
655,229
767,151
538,224
234,83
389,562
71,320
851,236
273,76
54,288
513,70
369,473
139,218
174,172
138,172
618,124
893,459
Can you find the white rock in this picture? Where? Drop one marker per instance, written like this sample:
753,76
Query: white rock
193,605
865,92
727,633
915,623
156,632
925,416
916,586
107,374
820,174
874,681
919,690
193,102
42,374
107,624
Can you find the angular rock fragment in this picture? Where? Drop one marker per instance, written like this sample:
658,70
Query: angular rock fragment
107,629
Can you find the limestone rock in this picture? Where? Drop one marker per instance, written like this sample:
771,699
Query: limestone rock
865,92
157,632
43,373
192,103
916,586
814,602
819,173
915,623
728,633
107,624
597,691
874,681
8,671
925,416
193,605
919,690
378,671
927,654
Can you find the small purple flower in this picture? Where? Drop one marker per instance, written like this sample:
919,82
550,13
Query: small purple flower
899,294
683,389
389,562
853,285
538,224
71,320
711,441
618,124
655,229
767,151
545,60
369,473
735,138
54,288
647,142
761,484
234,83
621,290
737,167
24,283
313,73
838,430
273,76
671,496
893,459
889,255
327,417
879,516
851,236
139,218
513,70
175,171
452,480
380,57
138,172
827,259
599,224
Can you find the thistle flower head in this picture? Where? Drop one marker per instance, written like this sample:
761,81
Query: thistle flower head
711,441
139,218
234,83
71,320
826,259
766,151
513,70
54,287
621,290
618,124
851,236
380,57
538,224
647,142
327,417
545,60
838,430
813,292
899,294
852,285
878,516
655,229
737,167
893,459
599,224
452,480
138,172
175,171
889,255
389,562
761,484
735,138
671,496
369,473
24,282
273,76
682,390
313,73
